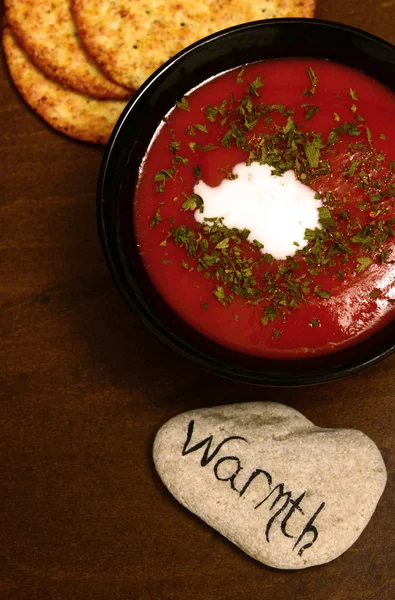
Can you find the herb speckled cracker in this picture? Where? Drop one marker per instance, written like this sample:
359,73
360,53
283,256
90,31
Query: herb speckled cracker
74,114
129,39
47,33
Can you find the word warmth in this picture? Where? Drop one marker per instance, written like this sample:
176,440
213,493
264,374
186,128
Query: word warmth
281,503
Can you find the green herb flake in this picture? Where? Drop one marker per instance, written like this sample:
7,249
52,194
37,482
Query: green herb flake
164,175
314,322
208,147
180,160
351,170
219,293
156,219
324,213
321,293
332,138
363,236
336,117
369,136
239,78
192,202
349,128
353,94
312,154
226,140
236,317
382,136
223,244
276,333
310,111
229,174
166,262
254,86
183,236
201,128
289,126
164,242
211,113
363,263
374,294
314,82
174,146
190,130
193,146
197,172
183,104
205,305
269,314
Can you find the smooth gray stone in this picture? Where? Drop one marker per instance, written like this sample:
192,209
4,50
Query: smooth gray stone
288,493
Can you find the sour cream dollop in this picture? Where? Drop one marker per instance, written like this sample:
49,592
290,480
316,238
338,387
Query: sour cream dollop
276,209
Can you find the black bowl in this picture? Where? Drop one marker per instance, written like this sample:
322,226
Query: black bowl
260,40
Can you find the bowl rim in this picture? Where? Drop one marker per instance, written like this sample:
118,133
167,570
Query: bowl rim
299,378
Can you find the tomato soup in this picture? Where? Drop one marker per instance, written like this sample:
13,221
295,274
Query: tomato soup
314,122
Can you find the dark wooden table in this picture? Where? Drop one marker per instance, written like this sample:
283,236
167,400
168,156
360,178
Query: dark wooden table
84,387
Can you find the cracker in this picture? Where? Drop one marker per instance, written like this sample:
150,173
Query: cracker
47,33
129,39
74,114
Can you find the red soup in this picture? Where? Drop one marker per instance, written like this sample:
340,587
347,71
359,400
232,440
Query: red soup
334,128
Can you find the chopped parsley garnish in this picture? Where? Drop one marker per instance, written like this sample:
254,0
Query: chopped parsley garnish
314,82
183,104
312,150
174,146
192,202
363,263
156,219
201,128
255,85
353,232
375,293
197,171
239,78
310,111
321,293
208,147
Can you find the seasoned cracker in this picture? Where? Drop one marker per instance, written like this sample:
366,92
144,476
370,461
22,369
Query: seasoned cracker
47,33
129,39
74,114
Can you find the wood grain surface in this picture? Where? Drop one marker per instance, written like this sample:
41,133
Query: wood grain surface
84,387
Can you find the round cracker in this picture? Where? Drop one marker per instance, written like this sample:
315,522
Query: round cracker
74,114
129,39
47,33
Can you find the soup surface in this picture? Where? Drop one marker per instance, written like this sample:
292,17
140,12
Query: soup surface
314,122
